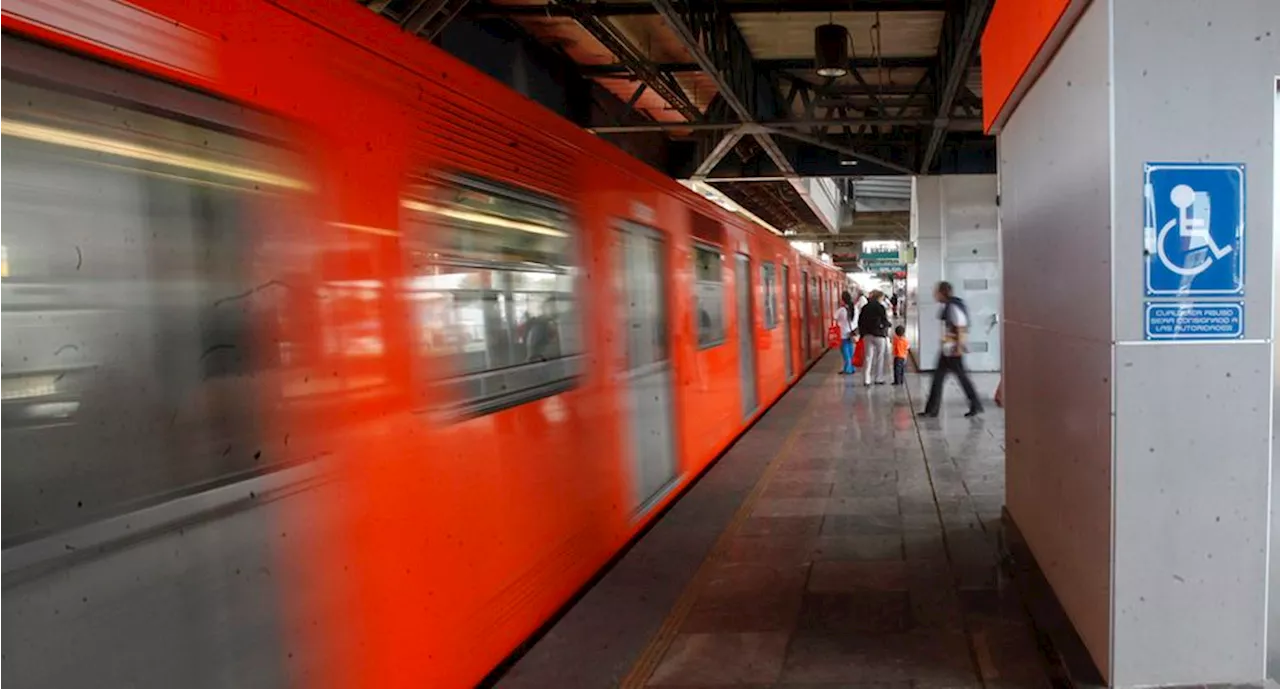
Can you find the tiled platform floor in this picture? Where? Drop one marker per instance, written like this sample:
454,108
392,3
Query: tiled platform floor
838,544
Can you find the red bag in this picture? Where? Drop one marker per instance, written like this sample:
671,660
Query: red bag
859,353
833,336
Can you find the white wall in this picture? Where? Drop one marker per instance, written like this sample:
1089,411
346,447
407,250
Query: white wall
823,196
1139,472
926,227
953,219
1193,422
1055,217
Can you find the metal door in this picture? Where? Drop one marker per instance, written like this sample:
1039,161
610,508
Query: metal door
786,320
648,377
804,315
978,283
746,336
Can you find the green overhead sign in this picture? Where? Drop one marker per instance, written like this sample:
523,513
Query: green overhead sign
881,256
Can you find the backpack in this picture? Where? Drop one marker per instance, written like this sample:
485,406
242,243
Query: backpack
945,317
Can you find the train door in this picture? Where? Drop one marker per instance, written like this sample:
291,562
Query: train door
786,320
648,377
804,314
746,336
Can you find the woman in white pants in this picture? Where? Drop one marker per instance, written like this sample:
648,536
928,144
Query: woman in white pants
873,325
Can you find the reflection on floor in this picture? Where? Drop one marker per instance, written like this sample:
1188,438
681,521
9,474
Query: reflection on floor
839,544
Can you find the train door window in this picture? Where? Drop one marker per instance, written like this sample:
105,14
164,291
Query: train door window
708,293
746,335
129,297
806,297
786,319
815,304
769,279
491,285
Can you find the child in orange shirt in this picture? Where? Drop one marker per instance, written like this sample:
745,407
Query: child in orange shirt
900,347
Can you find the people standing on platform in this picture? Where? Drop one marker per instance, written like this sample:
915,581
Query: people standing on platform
845,320
955,327
873,327
900,347
859,302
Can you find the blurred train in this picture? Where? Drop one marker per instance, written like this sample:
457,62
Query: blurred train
330,361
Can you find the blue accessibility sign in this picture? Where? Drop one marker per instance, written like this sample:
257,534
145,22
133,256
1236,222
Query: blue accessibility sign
1195,320
1194,229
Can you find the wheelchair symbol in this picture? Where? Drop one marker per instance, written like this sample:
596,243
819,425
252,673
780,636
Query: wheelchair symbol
1193,226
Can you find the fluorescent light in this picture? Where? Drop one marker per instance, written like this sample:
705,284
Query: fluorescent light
102,144
483,218
849,162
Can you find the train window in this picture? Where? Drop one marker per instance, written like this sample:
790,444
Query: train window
492,288
769,278
129,301
708,293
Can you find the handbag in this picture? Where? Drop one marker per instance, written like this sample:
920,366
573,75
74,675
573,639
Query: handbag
833,336
860,352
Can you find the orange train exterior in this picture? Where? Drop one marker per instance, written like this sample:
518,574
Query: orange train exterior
438,537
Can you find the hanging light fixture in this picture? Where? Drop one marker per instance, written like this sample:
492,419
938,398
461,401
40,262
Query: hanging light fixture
831,50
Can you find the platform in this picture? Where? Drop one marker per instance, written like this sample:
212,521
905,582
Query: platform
840,542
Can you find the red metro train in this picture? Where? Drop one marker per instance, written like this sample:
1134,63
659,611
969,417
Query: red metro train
330,361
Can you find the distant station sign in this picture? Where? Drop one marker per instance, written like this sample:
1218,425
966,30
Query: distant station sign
881,252
883,266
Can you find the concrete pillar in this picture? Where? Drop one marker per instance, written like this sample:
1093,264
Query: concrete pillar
1138,470
955,230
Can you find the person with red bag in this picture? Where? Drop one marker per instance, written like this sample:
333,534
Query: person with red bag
843,328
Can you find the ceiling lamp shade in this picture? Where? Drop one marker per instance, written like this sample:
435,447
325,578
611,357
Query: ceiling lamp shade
831,50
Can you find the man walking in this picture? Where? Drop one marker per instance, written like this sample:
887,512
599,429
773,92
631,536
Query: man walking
955,328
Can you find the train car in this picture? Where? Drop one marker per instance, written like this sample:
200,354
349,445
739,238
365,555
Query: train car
330,361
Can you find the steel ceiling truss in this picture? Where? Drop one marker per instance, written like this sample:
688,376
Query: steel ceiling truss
426,18
659,82
713,40
764,65
631,8
957,48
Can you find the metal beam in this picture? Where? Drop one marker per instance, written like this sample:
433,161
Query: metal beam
629,8
721,149
733,73
956,123
635,97
764,65
429,17
817,141
613,40
955,56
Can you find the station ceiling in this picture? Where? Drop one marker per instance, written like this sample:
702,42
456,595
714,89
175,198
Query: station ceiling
736,80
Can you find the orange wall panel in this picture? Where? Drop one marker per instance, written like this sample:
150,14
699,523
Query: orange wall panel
1015,34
